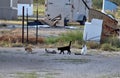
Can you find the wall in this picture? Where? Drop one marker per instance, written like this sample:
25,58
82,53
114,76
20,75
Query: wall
4,3
8,13
8,9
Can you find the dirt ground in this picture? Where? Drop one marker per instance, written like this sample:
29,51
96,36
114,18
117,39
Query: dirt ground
16,63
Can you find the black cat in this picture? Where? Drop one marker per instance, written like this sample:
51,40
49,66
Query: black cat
65,48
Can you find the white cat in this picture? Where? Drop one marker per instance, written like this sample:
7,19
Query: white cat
84,50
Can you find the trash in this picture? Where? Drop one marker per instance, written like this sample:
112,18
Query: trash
71,27
51,22
43,26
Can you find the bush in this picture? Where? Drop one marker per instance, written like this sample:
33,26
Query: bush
51,40
66,37
107,47
72,36
118,14
39,1
113,41
93,45
16,45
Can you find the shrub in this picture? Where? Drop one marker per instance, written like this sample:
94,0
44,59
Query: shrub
93,45
113,41
17,45
107,47
72,36
51,40
66,37
32,40
5,44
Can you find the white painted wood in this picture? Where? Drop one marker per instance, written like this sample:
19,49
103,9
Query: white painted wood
27,6
93,30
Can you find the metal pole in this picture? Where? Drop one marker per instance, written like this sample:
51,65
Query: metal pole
37,24
23,24
37,11
103,6
27,25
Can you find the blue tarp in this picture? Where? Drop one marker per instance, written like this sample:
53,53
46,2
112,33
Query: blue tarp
110,5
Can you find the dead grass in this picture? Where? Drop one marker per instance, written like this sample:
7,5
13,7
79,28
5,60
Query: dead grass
14,37
18,39
15,22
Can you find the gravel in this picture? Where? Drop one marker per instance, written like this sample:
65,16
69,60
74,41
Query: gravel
15,62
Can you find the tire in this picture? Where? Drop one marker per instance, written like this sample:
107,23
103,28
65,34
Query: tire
83,21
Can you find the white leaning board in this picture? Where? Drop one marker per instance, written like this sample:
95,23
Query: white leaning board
93,30
27,6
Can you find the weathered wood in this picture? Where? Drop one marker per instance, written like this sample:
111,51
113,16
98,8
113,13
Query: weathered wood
51,22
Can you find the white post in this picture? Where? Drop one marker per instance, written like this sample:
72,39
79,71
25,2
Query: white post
103,6
11,3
